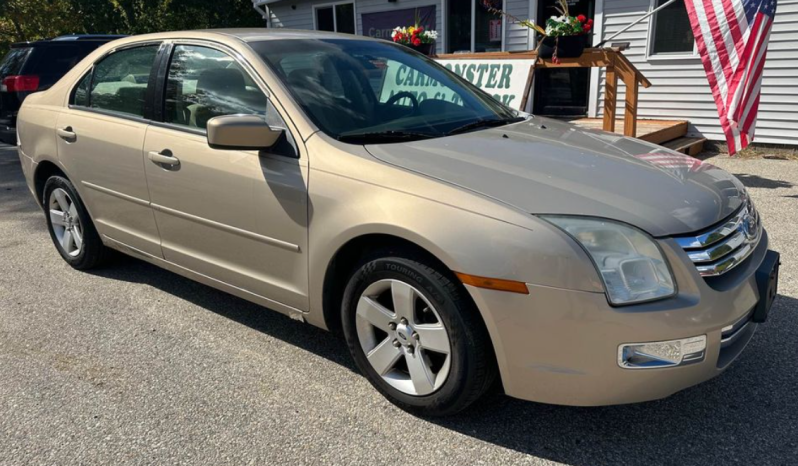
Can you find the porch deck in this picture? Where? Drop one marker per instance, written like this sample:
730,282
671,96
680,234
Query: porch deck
667,133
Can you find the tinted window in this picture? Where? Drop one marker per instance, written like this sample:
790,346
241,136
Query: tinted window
80,96
58,59
13,61
120,80
672,31
204,83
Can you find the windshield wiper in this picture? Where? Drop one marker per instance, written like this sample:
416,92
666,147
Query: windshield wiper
483,123
384,136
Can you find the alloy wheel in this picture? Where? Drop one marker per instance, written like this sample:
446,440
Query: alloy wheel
403,337
65,222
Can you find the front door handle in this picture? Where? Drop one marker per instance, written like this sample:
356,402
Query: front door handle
67,134
164,157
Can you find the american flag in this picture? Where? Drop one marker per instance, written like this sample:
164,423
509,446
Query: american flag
732,38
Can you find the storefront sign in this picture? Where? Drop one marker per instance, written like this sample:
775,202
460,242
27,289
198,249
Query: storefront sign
505,80
381,24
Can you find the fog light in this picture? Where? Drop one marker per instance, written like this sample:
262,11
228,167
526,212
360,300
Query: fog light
660,354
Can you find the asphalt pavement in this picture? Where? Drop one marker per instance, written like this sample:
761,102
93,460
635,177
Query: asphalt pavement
131,364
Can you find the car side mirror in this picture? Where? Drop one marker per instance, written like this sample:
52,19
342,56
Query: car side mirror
241,132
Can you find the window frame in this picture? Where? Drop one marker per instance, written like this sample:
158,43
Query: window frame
148,108
163,76
159,100
335,15
652,31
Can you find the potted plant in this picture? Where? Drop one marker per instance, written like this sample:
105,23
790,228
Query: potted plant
565,36
416,37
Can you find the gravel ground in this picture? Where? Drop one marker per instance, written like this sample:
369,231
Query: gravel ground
134,365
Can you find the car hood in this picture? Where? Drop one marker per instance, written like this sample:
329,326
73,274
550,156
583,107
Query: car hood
545,166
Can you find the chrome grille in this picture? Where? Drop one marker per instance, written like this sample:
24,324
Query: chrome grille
720,249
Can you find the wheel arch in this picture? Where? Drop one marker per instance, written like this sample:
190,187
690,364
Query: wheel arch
342,264
44,170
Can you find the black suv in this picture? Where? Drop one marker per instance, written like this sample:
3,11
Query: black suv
35,66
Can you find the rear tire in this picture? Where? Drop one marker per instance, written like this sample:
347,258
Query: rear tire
432,357
70,226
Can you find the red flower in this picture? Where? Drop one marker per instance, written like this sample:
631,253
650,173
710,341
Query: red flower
587,27
416,41
590,21
581,18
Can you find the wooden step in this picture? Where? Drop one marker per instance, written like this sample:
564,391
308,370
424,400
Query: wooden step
685,145
654,131
660,133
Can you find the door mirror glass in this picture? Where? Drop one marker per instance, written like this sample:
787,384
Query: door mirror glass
242,132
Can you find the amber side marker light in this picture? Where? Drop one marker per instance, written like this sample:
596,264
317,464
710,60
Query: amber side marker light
493,283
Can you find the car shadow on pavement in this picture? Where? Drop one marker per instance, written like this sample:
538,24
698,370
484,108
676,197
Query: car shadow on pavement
272,323
745,415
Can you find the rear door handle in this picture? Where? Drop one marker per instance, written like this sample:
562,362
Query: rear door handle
164,157
67,134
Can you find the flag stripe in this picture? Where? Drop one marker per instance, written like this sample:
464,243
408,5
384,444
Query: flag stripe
732,38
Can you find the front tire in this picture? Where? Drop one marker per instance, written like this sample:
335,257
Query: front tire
70,226
416,335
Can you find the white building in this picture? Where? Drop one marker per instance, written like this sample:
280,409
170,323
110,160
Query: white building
661,47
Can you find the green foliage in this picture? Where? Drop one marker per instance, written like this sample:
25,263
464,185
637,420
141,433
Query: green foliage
26,20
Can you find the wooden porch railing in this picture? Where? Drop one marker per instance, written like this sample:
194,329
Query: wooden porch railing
618,67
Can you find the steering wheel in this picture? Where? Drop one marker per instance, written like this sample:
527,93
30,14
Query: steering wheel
401,95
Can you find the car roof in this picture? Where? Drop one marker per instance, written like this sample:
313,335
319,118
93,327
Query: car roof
242,35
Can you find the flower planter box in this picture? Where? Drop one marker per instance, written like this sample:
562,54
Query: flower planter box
566,46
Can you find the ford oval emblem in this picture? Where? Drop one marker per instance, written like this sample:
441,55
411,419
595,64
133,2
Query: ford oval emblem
749,226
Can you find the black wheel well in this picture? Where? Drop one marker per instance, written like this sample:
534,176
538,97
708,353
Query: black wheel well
343,264
43,172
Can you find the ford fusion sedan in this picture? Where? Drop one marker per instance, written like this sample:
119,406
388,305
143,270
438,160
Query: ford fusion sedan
455,243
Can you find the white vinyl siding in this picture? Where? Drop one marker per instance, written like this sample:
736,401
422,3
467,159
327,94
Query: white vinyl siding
284,16
680,90
302,17
517,38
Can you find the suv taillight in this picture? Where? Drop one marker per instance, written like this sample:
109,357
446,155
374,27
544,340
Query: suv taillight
20,83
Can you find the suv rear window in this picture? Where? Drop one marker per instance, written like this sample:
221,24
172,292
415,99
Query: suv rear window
13,61
58,59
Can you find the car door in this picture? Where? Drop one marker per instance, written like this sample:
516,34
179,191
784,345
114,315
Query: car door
237,216
100,139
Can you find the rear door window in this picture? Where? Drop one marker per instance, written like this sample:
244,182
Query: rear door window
13,61
120,80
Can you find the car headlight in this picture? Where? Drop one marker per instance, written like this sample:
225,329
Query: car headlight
629,261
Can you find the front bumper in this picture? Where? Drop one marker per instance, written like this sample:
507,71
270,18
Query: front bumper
560,346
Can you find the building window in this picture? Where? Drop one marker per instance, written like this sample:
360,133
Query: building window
339,17
472,28
671,33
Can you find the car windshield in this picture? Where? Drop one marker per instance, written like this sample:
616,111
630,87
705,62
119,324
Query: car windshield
365,91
